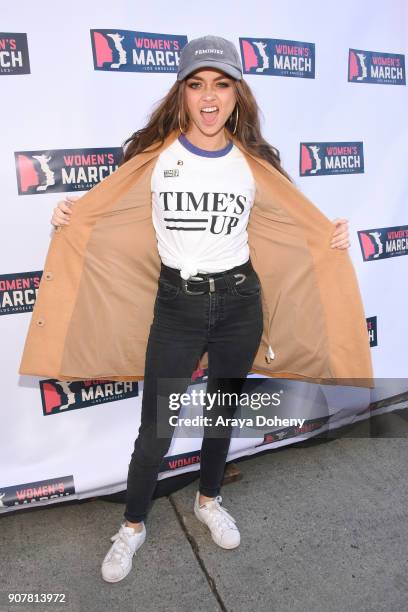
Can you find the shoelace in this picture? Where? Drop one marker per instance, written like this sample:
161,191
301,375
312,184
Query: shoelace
220,515
121,540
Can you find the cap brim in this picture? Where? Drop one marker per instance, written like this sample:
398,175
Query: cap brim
230,70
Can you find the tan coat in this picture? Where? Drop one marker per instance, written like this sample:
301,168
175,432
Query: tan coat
94,308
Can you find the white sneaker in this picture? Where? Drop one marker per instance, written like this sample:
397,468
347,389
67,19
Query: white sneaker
222,525
118,561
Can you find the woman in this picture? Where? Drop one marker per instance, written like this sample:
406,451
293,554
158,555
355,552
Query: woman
208,292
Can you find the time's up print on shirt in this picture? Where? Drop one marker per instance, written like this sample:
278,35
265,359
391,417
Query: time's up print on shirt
225,209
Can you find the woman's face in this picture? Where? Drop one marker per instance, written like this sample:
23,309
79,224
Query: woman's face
212,90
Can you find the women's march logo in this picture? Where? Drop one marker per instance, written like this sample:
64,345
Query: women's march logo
14,54
129,51
372,330
18,291
180,460
64,170
317,158
383,242
376,67
59,396
40,490
273,56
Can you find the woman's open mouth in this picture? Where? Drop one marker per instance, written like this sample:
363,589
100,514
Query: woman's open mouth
209,114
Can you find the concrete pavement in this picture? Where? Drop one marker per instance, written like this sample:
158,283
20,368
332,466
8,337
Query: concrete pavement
323,527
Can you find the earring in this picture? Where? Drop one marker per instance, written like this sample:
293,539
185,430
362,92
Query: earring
180,123
236,121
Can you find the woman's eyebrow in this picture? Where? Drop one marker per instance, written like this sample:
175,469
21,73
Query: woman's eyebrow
216,78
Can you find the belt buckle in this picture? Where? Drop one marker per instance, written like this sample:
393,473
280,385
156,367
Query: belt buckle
186,290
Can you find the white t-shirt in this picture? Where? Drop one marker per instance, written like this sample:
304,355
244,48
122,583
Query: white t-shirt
200,207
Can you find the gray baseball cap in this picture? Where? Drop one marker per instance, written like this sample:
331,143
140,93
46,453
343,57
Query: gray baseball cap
210,52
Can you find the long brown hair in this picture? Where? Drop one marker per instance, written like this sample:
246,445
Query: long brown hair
164,119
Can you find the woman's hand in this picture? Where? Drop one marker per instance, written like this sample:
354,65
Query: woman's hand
340,238
63,211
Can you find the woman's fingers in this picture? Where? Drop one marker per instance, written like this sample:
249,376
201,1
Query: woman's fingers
64,207
62,212
342,244
66,204
70,199
341,226
340,234
340,237
60,217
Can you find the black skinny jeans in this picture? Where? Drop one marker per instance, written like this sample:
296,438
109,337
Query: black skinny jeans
228,323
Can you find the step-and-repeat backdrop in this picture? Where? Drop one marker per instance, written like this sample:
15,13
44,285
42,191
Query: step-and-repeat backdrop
76,81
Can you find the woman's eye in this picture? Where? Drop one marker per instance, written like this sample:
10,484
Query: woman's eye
196,84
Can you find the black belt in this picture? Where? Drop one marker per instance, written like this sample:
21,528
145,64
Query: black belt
209,282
